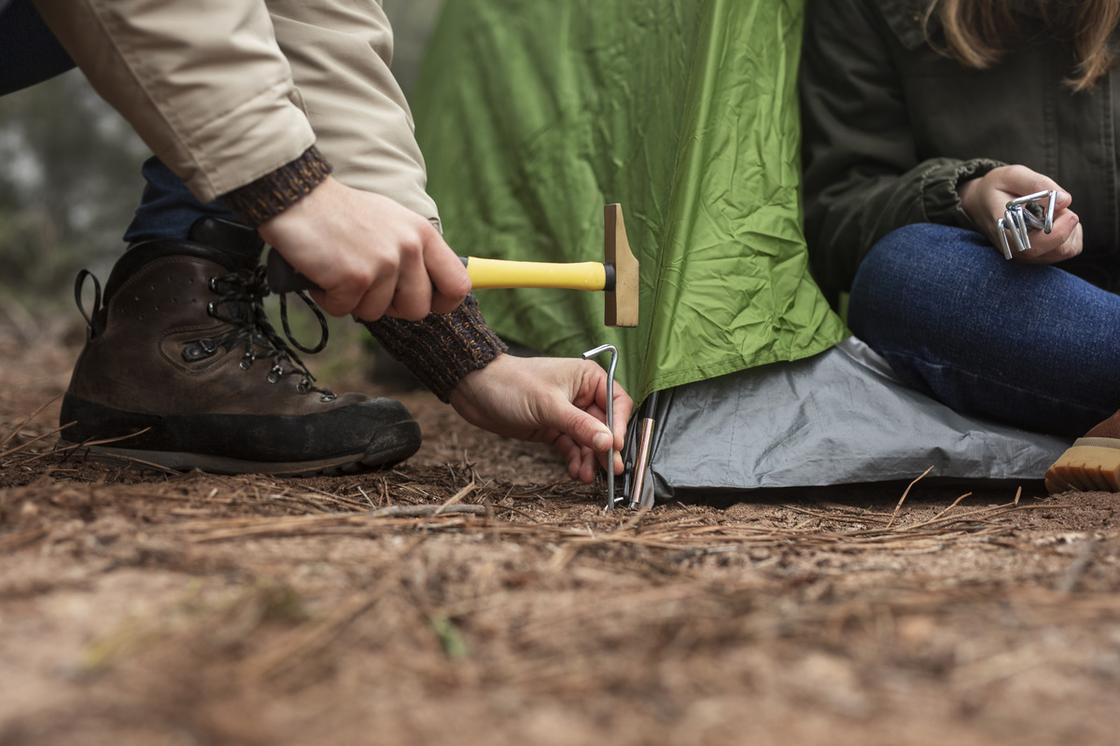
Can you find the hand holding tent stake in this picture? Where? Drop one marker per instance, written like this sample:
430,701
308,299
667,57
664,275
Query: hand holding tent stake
616,276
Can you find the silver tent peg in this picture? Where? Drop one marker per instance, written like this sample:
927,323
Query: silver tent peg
611,504
1019,218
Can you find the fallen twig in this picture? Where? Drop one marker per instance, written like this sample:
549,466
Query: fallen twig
906,492
451,501
943,513
108,455
421,511
363,492
20,425
23,446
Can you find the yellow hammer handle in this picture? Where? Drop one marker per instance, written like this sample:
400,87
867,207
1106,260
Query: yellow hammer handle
499,273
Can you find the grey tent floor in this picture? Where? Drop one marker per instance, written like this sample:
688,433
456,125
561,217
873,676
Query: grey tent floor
838,418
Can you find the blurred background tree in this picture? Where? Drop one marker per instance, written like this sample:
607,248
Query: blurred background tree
69,184
413,21
70,175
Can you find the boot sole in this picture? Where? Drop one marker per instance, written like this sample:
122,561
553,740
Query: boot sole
1090,464
391,446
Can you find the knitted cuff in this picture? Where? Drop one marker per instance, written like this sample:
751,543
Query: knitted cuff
442,349
941,199
275,192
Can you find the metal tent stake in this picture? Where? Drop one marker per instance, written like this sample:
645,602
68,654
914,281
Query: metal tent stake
610,414
1022,215
641,465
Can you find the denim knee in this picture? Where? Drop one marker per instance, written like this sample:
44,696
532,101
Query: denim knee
921,257
951,314
916,249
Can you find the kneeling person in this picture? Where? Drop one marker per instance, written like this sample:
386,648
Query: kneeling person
250,106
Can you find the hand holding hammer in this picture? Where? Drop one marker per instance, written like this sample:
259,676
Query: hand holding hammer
616,276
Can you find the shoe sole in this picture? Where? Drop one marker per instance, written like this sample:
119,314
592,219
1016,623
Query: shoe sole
1090,464
391,446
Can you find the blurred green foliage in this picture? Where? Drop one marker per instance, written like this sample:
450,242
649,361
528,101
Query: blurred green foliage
69,178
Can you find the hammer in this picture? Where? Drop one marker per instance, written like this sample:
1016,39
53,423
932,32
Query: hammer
616,276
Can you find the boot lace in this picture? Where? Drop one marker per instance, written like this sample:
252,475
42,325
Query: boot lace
240,304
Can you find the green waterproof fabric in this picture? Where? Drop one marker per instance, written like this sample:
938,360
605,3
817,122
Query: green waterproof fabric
534,113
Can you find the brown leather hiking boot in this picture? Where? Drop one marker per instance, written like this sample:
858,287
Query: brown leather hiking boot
181,359
1091,463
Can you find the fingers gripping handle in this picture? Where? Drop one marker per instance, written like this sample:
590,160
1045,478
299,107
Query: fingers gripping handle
283,277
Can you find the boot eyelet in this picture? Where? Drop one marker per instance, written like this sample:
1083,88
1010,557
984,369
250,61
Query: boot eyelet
246,362
303,386
199,350
213,284
275,374
210,308
328,397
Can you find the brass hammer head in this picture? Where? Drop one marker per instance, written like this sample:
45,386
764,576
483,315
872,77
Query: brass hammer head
621,298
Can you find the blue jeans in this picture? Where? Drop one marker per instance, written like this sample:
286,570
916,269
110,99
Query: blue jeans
1030,346
30,54
167,208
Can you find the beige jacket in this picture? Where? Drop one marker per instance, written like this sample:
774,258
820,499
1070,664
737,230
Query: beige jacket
226,91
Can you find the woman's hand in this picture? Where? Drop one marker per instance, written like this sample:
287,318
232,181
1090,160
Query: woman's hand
985,201
561,401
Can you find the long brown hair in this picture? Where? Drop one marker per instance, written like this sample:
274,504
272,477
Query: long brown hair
977,31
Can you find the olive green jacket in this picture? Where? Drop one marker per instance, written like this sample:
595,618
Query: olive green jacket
891,128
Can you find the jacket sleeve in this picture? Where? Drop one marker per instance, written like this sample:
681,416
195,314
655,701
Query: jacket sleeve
340,52
203,83
862,174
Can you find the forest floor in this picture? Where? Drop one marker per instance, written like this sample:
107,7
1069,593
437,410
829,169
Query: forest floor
139,607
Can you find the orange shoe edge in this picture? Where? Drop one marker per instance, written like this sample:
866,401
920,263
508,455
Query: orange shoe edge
1090,464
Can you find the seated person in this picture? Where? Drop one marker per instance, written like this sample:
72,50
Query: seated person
921,121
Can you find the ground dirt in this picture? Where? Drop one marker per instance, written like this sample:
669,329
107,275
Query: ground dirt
138,607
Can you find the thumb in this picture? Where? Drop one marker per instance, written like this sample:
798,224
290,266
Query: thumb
1027,181
448,274
568,419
